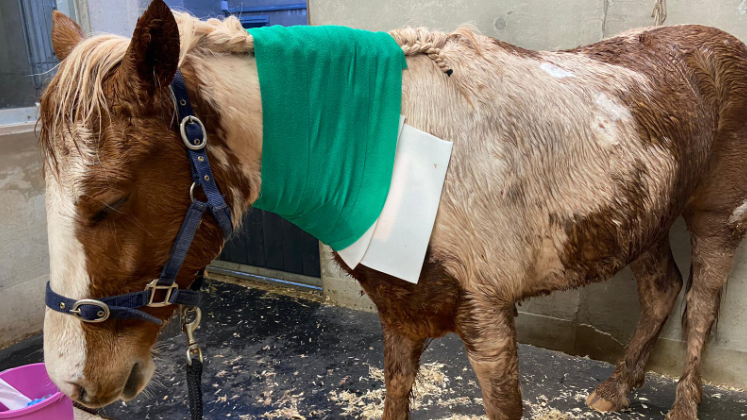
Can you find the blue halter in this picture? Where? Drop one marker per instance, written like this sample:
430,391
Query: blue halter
163,291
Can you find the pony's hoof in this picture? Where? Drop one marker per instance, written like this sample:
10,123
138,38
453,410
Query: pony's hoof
598,403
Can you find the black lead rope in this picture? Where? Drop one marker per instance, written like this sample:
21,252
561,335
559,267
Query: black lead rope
194,387
193,368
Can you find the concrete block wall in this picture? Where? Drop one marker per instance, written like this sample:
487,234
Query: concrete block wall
535,24
597,320
338,288
24,257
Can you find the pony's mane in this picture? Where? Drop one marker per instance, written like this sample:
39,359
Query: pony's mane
75,99
75,95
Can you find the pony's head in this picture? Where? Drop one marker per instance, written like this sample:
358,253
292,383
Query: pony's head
118,183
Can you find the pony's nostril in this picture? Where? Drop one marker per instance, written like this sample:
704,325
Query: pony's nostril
130,389
78,392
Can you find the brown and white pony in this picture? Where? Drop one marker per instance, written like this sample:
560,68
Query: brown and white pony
567,166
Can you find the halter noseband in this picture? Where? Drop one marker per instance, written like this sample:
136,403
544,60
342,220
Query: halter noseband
163,291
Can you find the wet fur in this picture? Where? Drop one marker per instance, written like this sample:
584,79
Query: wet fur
537,199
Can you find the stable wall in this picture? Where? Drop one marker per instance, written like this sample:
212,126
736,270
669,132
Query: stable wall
597,320
24,256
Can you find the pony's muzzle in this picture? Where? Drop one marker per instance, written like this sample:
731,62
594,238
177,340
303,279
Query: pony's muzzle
78,392
91,395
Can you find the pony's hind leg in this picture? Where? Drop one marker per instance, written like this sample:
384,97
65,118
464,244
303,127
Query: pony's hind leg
659,283
487,330
401,364
714,243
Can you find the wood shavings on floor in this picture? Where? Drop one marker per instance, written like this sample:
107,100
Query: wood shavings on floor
553,415
431,389
542,407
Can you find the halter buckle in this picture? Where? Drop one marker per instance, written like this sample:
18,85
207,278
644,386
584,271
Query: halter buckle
153,287
102,315
196,143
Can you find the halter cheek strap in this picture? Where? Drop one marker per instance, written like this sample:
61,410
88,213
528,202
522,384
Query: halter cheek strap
164,291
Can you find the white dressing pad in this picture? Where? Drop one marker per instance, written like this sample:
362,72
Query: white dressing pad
399,239
353,254
11,397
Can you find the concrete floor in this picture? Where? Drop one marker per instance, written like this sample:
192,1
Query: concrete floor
272,356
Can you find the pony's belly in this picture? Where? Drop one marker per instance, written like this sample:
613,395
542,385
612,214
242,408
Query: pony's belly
595,248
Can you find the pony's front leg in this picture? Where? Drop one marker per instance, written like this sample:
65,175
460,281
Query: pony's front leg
487,329
401,363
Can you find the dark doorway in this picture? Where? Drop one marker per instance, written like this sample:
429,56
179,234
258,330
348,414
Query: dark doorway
268,241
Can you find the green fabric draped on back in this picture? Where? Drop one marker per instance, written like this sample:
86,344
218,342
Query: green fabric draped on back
331,99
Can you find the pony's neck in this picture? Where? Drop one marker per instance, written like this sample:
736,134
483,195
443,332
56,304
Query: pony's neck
229,83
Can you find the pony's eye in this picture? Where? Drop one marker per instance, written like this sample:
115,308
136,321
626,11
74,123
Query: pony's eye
100,216
109,208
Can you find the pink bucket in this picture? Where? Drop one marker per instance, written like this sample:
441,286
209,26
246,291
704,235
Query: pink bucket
32,381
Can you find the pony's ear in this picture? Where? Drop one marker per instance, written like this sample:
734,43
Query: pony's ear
66,34
153,54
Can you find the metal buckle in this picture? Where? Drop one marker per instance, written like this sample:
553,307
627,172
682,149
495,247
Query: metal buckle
103,314
193,144
153,287
192,192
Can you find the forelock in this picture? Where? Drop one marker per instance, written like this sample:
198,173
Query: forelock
75,101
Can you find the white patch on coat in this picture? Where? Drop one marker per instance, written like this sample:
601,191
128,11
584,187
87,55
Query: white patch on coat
219,154
64,338
740,213
606,123
613,109
556,71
